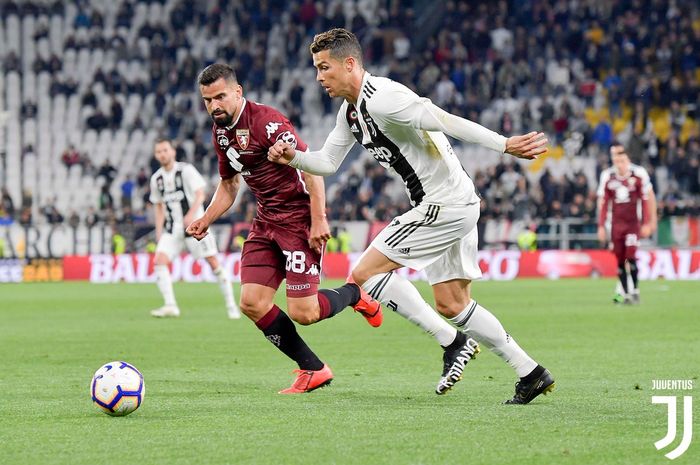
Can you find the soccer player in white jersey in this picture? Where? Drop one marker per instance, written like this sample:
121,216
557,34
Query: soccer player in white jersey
406,135
177,193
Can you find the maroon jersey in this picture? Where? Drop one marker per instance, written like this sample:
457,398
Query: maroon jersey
242,148
625,193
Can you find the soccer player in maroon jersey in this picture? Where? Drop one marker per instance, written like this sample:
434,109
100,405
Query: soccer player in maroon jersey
624,186
290,229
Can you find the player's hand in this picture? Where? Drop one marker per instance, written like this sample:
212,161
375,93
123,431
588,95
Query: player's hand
528,146
320,233
198,229
602,236
187,219
281,152
645,231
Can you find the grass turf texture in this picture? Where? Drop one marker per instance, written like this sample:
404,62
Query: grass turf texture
211,383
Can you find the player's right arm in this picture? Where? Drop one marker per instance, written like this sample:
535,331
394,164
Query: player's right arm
160,219
323,162
159,207
225,195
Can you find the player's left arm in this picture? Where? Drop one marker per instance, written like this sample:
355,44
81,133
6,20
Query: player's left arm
400,105
649,213
320,230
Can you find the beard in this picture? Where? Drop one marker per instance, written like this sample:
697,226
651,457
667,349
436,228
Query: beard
222,120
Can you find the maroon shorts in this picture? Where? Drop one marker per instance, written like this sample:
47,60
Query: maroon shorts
275,252
625,244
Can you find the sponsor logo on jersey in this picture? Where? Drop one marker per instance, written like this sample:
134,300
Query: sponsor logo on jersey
288,137
271,127
222,140
176,196
298,287
243,138
313,270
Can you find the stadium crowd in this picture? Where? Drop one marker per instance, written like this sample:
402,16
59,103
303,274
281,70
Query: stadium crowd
584,72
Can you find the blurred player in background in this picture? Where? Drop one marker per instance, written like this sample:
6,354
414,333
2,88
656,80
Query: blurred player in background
406,135
622,187
289,232
177,193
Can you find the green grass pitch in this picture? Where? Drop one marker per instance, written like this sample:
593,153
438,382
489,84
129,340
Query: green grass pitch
212,383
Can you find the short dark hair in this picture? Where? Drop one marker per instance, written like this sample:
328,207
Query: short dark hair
161,140
214,72
341,43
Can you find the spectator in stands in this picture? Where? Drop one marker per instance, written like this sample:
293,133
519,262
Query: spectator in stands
127,189
106,201
70,156
7,204
53,216
108,172
73,219
91,217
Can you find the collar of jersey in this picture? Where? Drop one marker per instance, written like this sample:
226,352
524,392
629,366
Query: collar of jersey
228,128
365,78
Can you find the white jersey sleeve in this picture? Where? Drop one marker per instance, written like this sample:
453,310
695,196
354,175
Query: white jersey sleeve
643,175
604,178
193,180
155,196
336,147
400,105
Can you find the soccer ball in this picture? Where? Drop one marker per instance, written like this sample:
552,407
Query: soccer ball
117,388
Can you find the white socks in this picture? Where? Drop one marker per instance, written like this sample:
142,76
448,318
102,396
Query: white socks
165,284
401,296
226,288
480,324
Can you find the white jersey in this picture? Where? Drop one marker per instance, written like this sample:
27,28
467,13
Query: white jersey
176,189
404,133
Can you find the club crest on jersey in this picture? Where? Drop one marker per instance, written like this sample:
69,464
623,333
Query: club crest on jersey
222,140
243,138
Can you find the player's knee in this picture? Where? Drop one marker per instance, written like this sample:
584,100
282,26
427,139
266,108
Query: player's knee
252,308
450,308
304,315
161,259
361,275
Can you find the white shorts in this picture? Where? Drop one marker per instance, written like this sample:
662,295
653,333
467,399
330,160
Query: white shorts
440,239
171,244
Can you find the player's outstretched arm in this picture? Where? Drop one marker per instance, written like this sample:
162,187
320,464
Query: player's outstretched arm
527,146
323,162
405,107
225,194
